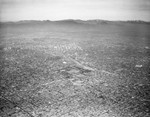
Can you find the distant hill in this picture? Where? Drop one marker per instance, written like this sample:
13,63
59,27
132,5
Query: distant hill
75,22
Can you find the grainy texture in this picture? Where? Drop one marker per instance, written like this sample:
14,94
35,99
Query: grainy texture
70,70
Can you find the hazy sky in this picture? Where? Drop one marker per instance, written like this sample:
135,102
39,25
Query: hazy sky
14,10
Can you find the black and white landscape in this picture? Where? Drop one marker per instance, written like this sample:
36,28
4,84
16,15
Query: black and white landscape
74,58
75,68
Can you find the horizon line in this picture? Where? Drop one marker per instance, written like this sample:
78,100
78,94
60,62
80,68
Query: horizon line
76,20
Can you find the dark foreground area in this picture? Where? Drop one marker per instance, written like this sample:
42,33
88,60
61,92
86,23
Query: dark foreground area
67,69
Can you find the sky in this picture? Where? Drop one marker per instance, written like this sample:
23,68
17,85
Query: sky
16,10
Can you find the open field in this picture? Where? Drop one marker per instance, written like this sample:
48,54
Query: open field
67,69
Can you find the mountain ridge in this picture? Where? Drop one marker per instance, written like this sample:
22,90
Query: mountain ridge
78,21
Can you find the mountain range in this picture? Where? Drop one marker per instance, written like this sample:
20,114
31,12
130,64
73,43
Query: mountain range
72,21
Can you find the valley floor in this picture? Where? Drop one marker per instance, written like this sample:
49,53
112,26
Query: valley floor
59,78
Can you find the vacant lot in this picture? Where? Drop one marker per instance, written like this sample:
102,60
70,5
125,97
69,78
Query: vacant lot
70,70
